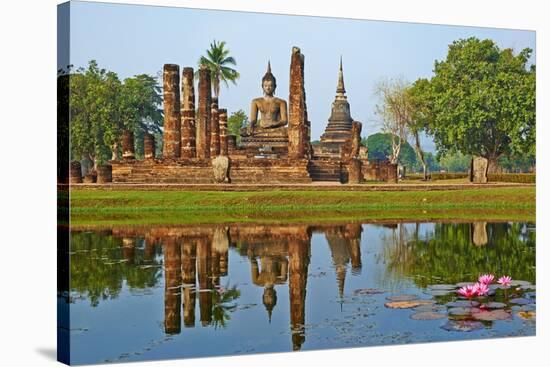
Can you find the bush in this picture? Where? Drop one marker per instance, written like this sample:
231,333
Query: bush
439,175
512,177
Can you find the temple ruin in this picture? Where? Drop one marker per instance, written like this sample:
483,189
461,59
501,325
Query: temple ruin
275,148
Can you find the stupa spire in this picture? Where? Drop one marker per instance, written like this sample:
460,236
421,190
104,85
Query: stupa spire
340,89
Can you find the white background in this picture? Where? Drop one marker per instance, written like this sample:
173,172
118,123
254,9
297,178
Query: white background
28,162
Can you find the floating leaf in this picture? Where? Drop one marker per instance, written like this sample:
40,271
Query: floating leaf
520,283
462,304
521,301
527,315
442,287
428,315
495,305
462,311
492,315
462,326
409,304
402,297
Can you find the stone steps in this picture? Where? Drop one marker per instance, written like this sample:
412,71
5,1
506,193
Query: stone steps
324,170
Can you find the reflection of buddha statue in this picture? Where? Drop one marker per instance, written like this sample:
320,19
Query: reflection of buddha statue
270,128
274,270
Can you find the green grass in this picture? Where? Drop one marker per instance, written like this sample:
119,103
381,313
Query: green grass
102,207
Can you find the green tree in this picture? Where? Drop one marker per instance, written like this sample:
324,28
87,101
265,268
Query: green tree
481,101
380,148
217,60
455,162
92,112
102,107
235,122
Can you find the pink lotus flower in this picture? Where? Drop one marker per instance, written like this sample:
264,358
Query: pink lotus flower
481,289
505,281
486,279
468,291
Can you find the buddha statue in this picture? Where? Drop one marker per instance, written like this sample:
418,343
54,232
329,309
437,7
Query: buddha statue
273,114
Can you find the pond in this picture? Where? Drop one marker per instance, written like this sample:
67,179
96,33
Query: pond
160,292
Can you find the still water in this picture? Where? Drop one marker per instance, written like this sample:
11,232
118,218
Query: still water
141,293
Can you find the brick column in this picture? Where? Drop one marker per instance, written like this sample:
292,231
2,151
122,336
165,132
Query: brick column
188,147
149,146
222,116
203,125
128,148
172,123
214,129
297,121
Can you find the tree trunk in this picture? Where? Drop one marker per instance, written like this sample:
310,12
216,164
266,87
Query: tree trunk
492,164
420,154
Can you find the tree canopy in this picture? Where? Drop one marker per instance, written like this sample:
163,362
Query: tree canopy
480,101
101,107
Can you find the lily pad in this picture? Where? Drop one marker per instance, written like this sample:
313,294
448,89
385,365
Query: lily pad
462,326
529,287
402,297
520,283
442,287
432,308
530,295
464,284
428,315
495,305
462,311
462,303
492,315
521,301
367,291
409,304
439,292
524,308
527,315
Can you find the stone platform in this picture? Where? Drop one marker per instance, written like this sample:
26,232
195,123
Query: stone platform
200,171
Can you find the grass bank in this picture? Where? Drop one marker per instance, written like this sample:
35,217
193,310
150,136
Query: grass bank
90,207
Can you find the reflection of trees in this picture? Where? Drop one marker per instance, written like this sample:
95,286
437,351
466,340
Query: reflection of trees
222,305
99,264
449,254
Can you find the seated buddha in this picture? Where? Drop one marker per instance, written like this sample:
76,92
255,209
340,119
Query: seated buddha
270,128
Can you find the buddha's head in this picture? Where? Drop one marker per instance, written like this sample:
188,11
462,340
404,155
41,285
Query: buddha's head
269,84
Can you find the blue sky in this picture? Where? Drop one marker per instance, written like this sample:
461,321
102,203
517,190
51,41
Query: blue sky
134,39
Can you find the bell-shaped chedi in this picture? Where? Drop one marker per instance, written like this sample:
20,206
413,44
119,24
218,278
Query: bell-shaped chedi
339,126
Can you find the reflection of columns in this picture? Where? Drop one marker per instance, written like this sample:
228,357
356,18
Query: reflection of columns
172,289
189,275
214,129
188,114
353,233
203,126
479,230
149,248
204,260
220,246
222,116
298,251
172,118
128,249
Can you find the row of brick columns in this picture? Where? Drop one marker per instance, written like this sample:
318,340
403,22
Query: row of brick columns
202,136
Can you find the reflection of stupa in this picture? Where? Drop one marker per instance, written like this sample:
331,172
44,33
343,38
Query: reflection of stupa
338,129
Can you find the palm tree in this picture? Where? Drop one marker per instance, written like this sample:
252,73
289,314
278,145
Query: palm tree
217,60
